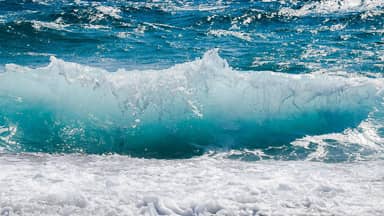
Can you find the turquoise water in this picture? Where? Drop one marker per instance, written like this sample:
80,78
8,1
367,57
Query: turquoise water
178,79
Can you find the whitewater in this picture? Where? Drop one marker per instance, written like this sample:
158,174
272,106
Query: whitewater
116,185
261,108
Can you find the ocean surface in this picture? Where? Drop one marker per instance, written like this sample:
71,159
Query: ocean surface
192,107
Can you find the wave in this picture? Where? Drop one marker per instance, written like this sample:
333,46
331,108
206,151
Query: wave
329,7
182,111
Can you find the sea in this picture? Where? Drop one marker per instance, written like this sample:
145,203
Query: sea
192,107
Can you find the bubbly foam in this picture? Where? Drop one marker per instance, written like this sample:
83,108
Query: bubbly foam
240,35
116,185
333,6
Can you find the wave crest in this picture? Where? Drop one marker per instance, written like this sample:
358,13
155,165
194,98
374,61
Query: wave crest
329,7
177,112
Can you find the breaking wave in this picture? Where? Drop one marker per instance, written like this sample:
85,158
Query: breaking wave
329,7
180,112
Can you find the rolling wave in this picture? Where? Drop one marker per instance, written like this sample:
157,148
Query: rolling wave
182,111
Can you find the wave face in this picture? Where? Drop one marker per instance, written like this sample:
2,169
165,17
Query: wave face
182,111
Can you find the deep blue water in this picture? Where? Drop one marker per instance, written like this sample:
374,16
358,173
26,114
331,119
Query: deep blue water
217,98
284,36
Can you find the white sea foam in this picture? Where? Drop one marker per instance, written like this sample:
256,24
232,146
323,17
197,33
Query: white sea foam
333,6
200,7
110,11
221,33
91,26
38,25
116,185
365,135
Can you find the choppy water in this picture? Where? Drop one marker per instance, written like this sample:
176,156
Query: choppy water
191,107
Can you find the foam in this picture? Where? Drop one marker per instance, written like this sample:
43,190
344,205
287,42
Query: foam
240,35
366,136
38,25
327,7
110,11
115,185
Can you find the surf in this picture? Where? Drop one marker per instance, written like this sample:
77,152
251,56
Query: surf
179,112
